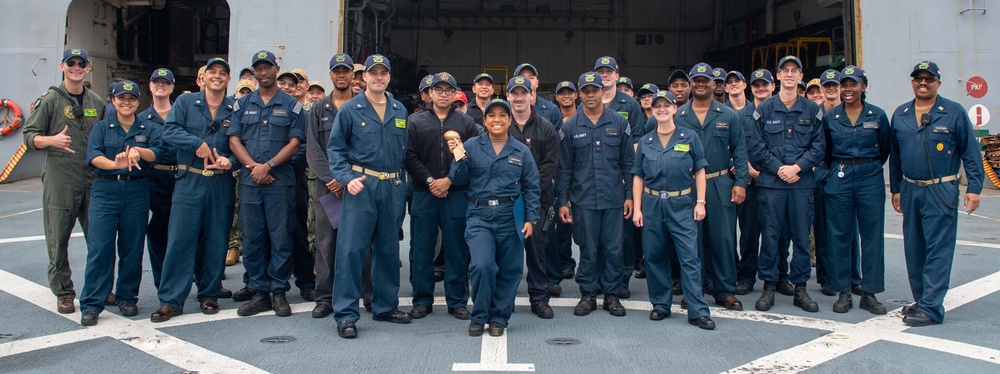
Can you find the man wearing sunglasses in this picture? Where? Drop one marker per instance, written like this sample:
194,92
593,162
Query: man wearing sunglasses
931,137
60,124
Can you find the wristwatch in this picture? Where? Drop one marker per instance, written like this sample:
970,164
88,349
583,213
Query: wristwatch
429,180
701,202
270,164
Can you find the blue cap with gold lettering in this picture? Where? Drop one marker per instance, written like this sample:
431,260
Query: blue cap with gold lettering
375,60
590,79
519,81
125,87
162,73
928,66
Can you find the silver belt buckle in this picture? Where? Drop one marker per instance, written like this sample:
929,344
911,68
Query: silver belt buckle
664,195
493,202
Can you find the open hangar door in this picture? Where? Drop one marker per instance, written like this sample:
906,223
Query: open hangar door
649,38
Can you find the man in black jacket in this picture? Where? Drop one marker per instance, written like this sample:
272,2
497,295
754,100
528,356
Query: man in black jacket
539,135
436,203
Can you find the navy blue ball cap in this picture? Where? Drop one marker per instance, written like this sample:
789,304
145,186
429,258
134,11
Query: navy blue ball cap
666,95
125,87
590,78
217,60
719,74
497,102
75,52
678,74
519,81
701,69
483,76
761,75
566,85
264,56
737,74
626,81
426,82
162,73
341,59
928,66
521,67
377,59
803,85
647,88
444,77
854,73
789,58
606,62
830,76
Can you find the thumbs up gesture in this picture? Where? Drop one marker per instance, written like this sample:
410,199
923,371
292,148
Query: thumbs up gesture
455,144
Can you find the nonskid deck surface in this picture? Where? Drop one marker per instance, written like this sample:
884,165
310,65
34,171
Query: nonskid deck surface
36,339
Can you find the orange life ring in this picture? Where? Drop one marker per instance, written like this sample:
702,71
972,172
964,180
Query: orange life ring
15,122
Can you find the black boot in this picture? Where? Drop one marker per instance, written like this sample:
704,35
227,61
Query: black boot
766,300
802,299
843,303
587,304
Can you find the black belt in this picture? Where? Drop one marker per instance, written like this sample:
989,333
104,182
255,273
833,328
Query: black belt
493,202
121,178
856,161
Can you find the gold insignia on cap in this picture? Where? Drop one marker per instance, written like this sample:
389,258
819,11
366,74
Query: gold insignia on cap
588,78
128,86
378,59
340,58
605,60
924,65
622,80
429,79
565,84
262,54
76,52
849,70
702,69
519,80
445,76
161,72
758,73
831,75
716,73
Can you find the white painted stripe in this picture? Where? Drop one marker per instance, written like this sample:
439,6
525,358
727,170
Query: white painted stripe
20,213
967,243
493,357
140,334
34,238
48,341
844,339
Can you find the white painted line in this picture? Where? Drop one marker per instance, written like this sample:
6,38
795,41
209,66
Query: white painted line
493,357
844,339
20,213
140,334
48,341
34,238
967,243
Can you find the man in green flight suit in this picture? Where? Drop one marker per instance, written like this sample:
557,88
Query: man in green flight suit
60,125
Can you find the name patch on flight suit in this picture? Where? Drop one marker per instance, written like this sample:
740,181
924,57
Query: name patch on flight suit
624,114
280,113
805,121
941,129
400,123
870,125
90,112
141,138
722,125
682,147
611,132
514,160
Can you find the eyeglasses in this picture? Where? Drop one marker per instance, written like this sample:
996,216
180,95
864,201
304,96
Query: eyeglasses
447,91
72,63
925,79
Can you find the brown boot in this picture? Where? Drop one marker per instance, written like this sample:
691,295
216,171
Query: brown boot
233,256
65,305
110,301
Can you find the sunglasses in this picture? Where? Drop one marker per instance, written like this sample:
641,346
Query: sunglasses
72,63
925,79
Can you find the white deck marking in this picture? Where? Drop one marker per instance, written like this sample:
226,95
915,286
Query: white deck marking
493,357
34,238
845,339
20,213
140,334
957,242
